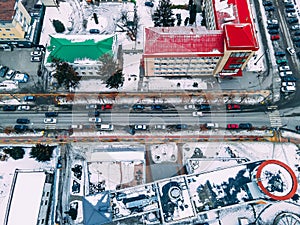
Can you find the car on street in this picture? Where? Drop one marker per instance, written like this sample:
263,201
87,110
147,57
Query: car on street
20,128
9,108
138,107
91,106
181,126
156,107
189,107
50,120
289,78
3,71
159,126
273,26
51,114
105,127
288,89
297,33
291,50
289,10
246,126
296,39
211,125
94,113
291,15
286,73
295,27
76,126
140,127
23,121
203,107
94,31
273,31
270,8
292,20
297,44
95,120
272,21
10,74
289,5
196,113
23,108
29,98
233,106
267,3
232,126
281,62
106,106
280,54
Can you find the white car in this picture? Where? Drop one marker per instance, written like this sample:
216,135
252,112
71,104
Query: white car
159,126
36,53
291,50
10,74
291,15
288,89
50,120
189,107
284,84
36,59
283,74
140,127
284,68
95,120
197,113
272,21
23,107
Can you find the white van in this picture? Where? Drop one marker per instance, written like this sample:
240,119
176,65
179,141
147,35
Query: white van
105,127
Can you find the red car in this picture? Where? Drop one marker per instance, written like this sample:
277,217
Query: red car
275,37
233,106
106,106
232,126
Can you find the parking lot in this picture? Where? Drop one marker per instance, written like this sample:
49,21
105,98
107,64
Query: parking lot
19,60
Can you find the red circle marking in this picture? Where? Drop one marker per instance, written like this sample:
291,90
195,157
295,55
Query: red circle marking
291,172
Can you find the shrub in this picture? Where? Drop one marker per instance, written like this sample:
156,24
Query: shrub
15,152
58,26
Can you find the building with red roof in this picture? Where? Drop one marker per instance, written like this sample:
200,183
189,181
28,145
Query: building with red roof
222,48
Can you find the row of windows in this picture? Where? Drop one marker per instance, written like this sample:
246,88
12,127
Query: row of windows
6,29
230,71
184,69
188,58
235,66
185,64
9,38
181,73
9,34
239,54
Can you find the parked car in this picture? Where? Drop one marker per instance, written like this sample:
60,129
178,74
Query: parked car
191,107
288,89
76,126
91,106
21,77
150,4
211,125
23,121
245,126
36,59
295,27
29,98
3,71
105,127
50,120
289,5
289,10
275,37
203,107
233,106
284,84
281,62
297,33
232,126
140,127
286,73
95,119
20,128
181,126
273,26
283,68
156,107
289,78
23,107
94,113
296,39
51,114
36,53
106,106
272,21
297,44
196,113
138,107
273,31
10,74
291,15
159,126
9,108
269,8
267,3
280,54
292,20
94,31
291,50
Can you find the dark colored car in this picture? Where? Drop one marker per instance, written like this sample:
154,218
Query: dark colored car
233,106
94,113
9,108
296,39
23,121
181,126
203,107
156,107
289,78
3,71
20,128
59,162
269,8
297,33
106,106
232,126
150,4
245,126
280,54
273,26
292,20
94,31
281,62
289,10
289,5
29,98
267,3
51,114
273,31
138,107
297,44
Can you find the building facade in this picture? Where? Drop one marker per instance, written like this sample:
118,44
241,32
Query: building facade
222,48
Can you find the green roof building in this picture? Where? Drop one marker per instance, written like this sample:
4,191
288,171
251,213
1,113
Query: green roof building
71,48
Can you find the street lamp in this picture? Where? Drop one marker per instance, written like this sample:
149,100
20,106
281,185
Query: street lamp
267,50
